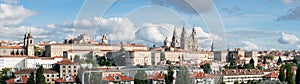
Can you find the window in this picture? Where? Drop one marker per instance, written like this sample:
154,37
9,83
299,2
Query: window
69,66
64,71
52,76
69,71
64,66
48,76
74,71
74,66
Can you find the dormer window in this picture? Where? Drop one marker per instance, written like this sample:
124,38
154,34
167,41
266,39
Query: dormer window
117,78
18,80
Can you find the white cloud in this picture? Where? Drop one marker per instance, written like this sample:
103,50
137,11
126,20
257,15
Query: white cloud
10,1
288,39
246,45
154,33
287,1
13,15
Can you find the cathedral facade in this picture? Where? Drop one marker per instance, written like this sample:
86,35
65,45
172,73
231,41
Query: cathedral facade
187,42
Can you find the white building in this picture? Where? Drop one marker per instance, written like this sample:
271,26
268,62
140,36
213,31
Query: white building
231,75
14,62
46,62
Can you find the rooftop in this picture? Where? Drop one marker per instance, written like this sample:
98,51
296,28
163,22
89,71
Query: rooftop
117,77
27,71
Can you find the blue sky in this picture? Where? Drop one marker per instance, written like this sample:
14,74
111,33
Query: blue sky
249,24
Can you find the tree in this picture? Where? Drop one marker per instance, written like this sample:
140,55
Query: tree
206,68
252,63
281,75
140,77
226,66
232,65
279,61
4,76
236,82
183,76
13,75
162,56
289,74
77,59
169,77
40,78
250,82
297,81
31,78
264,60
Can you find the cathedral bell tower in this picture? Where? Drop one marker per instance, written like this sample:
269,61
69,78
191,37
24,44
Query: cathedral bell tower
29,44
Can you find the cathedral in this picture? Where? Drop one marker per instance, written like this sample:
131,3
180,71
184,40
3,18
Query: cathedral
188,43
27,49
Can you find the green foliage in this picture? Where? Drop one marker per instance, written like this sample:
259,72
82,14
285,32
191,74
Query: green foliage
250,82
252,63
281,75
206,68
4,76
248,66
226,66
13,75
40,78
183,76
31,78
169,77
92,78
77,59
232,65
236,82
289,74
162,56
140,77
223,82
297,81
106,62
264,60
279,61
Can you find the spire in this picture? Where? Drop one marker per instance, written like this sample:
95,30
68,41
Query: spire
104,39
174,42
212,47
183,39
166,42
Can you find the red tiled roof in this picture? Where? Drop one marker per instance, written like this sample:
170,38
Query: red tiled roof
157,76
65,62
64,80
27,71
11,47
12,80
200,75
272,75
121,78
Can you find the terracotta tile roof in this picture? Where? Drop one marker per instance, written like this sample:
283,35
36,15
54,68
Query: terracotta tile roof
231,72
27,71
14,80
11,47
67,79
157,76
65,62
120,78
272,75
200,75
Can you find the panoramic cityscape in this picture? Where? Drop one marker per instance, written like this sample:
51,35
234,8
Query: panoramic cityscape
149,42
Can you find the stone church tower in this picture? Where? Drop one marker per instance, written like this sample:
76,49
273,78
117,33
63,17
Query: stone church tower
104,39
174,42
194,40
184,40
29,44
166,43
